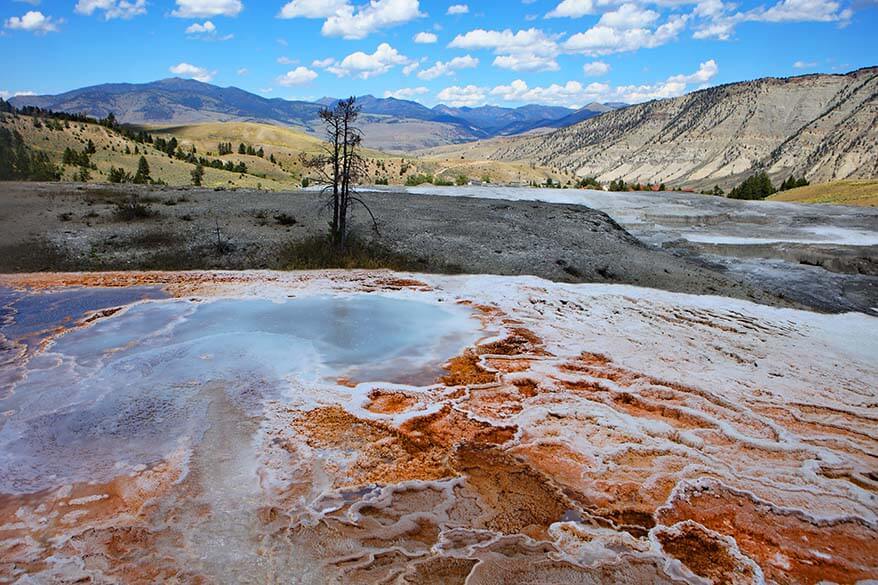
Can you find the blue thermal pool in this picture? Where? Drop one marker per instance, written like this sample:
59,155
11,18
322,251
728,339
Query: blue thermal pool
129,388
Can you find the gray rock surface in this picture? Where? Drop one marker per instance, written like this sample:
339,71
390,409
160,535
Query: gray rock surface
69,227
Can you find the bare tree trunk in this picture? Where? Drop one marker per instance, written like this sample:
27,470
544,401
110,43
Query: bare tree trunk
341,156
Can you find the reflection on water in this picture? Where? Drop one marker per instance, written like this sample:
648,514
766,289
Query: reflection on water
130,388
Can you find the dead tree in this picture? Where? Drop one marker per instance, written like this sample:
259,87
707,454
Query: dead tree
340,166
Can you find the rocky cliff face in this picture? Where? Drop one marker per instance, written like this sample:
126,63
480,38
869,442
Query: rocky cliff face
822,126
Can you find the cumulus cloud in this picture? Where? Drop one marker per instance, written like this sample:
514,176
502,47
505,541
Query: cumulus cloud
573,9
311,8
425,38
111,8
322,63
605,40
526,62
804,11
718,20
406,93
412,67
191,71
345,20
206,8
570,93
524,50
206,31
458,97
201,28
575,94
9,94
298,76
364,65
804,65
441,68
628,16
458,9
596,68
33,21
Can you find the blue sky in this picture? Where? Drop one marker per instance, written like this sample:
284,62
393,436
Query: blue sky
463,52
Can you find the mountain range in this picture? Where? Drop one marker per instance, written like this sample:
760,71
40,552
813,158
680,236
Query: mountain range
821,126
388,123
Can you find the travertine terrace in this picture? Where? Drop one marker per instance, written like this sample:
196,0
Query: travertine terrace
577,434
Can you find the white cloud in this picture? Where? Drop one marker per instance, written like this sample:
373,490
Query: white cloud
458,97
298,76
205,8
112,8
441,68
596,68
721,30
804,64
322,63
411,67
572,9
526,62
425,38
311,8
525,50
358,23
198,28
567,94
406,93
188,70
575,94
242,71
718,21
458,9
283,60
364,65
505,41
628,16
206,31
33,21
805,11
9,94
605,40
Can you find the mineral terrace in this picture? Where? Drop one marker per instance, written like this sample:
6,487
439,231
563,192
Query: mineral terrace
370,427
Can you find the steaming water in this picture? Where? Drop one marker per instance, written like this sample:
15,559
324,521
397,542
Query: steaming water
130,388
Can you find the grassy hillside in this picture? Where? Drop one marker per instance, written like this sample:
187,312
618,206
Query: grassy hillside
115,150
282,144
861,193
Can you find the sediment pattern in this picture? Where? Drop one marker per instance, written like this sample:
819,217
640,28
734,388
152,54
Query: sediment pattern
594,434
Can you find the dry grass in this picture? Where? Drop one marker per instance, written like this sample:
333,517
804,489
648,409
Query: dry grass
316,252
859,193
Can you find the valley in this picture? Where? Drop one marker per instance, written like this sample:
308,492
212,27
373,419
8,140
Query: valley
495,345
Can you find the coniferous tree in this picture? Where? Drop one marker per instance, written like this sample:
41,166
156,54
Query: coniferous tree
197,175
142,176
757,186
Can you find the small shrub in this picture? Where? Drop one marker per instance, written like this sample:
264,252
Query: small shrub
317,252
285,219
133,208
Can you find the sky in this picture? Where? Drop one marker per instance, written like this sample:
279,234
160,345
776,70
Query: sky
461,53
